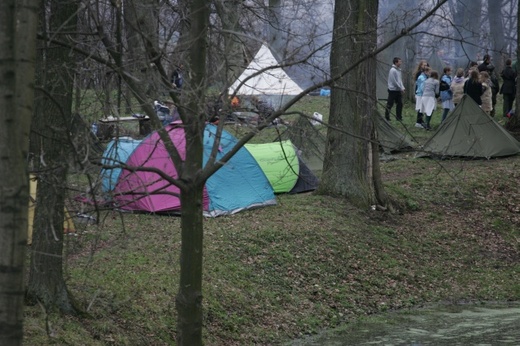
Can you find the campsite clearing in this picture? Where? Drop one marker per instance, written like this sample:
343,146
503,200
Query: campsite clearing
309,263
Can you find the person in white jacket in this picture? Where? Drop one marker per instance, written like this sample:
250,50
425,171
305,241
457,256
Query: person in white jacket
429,97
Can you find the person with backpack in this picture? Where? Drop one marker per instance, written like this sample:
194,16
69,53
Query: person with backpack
446,93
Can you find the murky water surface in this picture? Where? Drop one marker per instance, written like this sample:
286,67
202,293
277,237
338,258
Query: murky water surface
482,325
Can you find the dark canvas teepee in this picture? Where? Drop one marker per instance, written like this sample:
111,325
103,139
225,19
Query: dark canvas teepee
470,132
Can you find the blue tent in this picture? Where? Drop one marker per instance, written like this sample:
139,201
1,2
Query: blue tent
117,152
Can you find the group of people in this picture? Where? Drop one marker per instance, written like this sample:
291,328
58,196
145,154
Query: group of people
427,89
480,83
483,85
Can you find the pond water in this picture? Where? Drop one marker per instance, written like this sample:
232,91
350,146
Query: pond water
484,324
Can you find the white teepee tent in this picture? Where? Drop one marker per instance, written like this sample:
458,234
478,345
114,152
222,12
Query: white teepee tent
272,81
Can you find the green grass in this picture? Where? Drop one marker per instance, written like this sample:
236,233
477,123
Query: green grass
312,262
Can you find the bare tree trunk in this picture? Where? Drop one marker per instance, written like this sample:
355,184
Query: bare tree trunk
18,23
351,166
229,13
276,35
496,33
497,47
189,297
466,16
51,128
513,124
142,39
182,49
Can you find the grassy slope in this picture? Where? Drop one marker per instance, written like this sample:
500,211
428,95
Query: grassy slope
311,262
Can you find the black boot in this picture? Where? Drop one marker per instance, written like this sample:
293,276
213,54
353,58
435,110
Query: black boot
427,125
419,123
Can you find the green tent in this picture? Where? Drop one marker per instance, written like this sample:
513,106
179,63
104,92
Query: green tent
469,132
279,162
282,166
390,139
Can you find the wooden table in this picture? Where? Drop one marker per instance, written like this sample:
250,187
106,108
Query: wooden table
107,125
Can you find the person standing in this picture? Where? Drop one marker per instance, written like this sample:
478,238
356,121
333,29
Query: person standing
178,78
429,97
457,86
446,93
487,104
473,65
488,67
395,90
508,89
473,87
421,74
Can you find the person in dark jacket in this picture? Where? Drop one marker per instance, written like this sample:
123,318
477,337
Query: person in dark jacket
177,77
474,88
508,89
495,86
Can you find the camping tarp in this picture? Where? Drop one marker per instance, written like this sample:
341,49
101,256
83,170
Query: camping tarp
239,184
273,81
280,162
390,138
469,132
310,141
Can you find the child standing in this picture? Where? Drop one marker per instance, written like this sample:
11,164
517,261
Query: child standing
473,87
487,100
429,97
457,86
446,93
421,74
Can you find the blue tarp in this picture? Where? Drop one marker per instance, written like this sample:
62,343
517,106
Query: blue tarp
325,92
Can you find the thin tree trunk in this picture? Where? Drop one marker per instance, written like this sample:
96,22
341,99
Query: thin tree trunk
189,297
18,23
141,18
496,32
277,36
466,16
513,124
229,13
